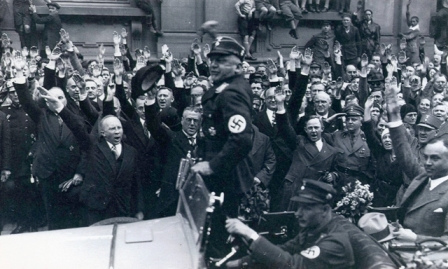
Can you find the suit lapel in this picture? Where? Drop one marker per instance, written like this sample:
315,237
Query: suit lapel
105,149
126,160
256,143
416,183
310,148
434,196
324,154
183,143
266,124
138,129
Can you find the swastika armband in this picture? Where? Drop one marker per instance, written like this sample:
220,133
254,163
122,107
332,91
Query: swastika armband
311,253
237,124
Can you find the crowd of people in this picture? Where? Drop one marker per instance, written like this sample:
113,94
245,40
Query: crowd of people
81,142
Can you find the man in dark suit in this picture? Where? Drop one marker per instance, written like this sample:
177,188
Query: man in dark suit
312,158
92,94
265,121
108,166
138,137
263,158
370,33
176,145
56,156
322,108
52,23
348,36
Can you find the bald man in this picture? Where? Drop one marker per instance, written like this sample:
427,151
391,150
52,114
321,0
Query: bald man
111,187
55,158
110,173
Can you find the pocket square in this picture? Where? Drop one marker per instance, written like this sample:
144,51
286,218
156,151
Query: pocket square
438,210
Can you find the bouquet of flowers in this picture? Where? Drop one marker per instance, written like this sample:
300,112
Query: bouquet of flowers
357,198
254,203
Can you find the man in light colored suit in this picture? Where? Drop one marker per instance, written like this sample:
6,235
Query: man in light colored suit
424,206
425,203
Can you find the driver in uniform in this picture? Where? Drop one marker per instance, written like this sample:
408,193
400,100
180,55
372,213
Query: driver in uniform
321,243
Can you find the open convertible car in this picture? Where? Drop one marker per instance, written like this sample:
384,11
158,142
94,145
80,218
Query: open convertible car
171,242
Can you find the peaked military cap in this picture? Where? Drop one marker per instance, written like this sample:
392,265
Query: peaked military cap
430,121
354,110
315,192
225,45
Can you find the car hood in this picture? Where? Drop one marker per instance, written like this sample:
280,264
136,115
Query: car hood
160,243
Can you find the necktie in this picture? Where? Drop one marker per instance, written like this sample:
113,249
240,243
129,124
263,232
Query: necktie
273,119
115,151
60,121
145,130
352,140
192,141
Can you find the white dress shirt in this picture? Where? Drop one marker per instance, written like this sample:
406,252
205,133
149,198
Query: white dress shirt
118,147
433,183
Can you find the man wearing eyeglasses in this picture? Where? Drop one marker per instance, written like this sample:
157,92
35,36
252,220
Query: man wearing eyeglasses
438,86
176,145
331,120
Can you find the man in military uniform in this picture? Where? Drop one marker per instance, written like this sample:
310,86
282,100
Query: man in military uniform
24,194
322,241
354,162
226,125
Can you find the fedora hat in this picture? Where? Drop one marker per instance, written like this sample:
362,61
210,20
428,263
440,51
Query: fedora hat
376,225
